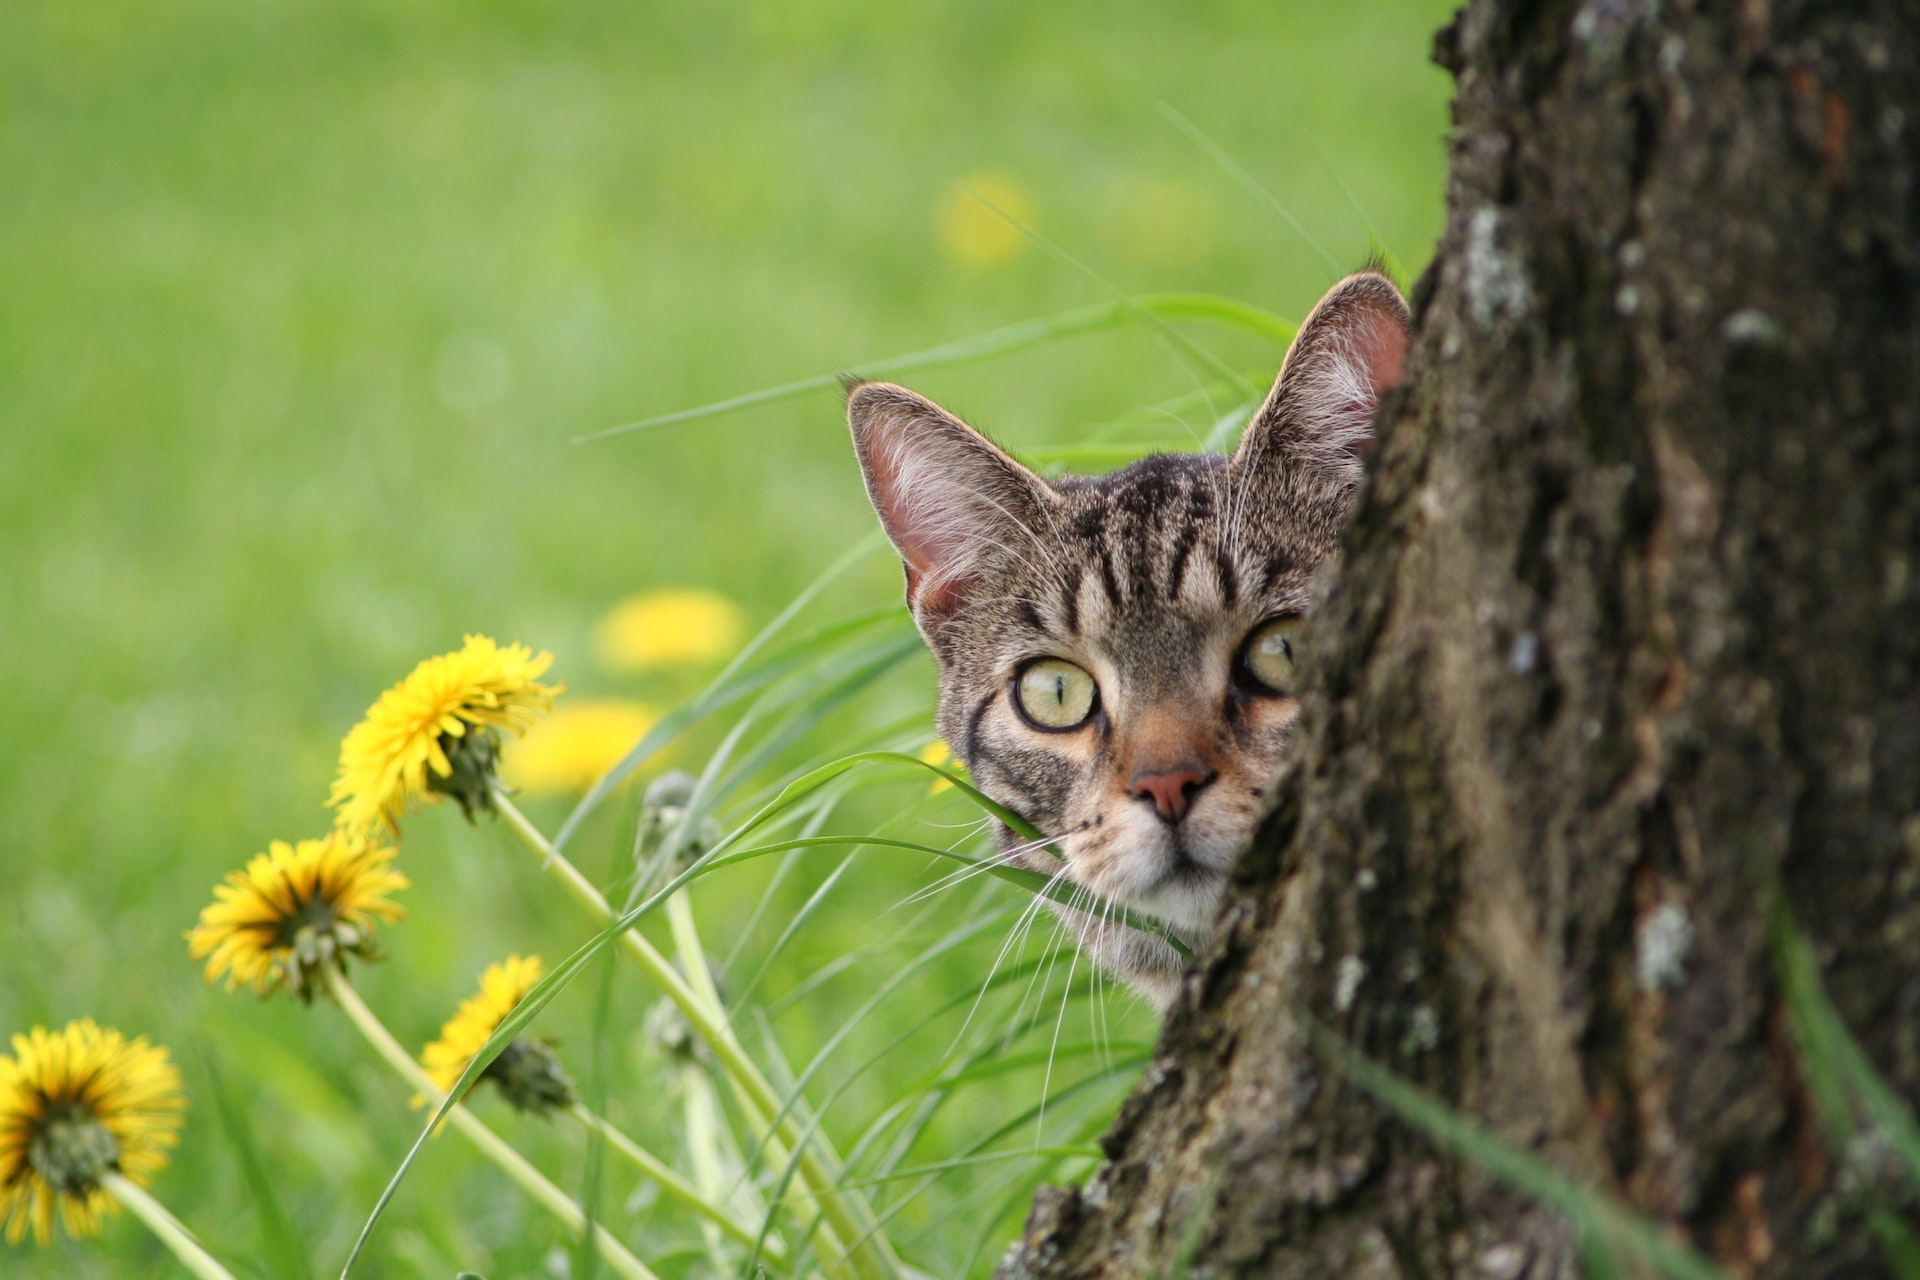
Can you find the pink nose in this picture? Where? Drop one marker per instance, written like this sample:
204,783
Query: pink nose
1171,790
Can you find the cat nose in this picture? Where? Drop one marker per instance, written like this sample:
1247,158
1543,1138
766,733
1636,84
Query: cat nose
1170,790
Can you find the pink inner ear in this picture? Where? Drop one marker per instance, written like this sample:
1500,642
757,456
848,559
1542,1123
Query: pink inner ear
1383,345
928,543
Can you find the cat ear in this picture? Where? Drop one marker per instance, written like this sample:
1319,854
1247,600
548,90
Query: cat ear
1348,353
949,498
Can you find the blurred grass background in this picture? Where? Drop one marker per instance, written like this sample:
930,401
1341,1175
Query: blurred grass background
301,307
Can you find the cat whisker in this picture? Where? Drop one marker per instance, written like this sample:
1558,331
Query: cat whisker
1060,921
1233,502
1002,858
954,879
1053,1049
1021,923
1048,549
1037,985
1043,977
1224,500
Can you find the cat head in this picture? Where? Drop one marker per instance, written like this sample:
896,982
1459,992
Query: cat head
1116,652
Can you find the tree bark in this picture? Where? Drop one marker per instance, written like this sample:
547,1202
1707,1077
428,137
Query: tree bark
1626,641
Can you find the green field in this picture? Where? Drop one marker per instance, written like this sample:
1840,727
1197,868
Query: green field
302,309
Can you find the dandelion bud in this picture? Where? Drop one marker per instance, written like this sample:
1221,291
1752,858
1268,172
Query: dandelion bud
530,1075
671,791
472,760
667,1027
663,811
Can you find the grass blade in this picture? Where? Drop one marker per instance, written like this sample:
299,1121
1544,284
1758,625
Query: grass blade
284,1246
1387,257
1247,180
1180,343
1596,1213
733,683
1152,307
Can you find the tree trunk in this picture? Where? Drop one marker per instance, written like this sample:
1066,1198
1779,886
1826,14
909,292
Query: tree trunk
1626,643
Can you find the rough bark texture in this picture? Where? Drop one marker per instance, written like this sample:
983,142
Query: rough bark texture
1628,632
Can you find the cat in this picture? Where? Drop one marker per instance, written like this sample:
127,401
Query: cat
1117,652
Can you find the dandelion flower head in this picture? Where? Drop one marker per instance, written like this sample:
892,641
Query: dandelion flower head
657,629
76,1104
434,734
938,754
570,750
971,220
296,911
527,1071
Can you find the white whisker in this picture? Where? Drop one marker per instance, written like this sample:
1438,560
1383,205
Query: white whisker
1017,931
1046,1079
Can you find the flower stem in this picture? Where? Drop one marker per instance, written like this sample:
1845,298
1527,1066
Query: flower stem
699,1112
491,1145
172,1232
671,1183
866,1248
699,1105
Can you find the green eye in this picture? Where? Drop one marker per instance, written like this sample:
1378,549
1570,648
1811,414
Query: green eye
1270,654
1054,694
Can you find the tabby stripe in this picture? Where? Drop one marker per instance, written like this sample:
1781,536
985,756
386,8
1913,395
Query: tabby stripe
1229,580
1142,577
973,728
1278,567
1029,802
1177,574
1107,579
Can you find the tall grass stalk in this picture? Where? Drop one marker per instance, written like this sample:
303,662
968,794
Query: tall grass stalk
1154,309
491,1145
872,1258
696,1199
706,1148
170,1230
287,1252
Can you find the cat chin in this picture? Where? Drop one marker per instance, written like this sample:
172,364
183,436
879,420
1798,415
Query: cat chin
1187,902
1176,879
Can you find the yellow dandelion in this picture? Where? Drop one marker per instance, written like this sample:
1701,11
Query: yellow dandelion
973,234
75,1105
681,627
526,1070
567,752
434,734
296,911
939,754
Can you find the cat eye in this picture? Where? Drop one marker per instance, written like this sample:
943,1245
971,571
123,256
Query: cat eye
1054,694
1269,655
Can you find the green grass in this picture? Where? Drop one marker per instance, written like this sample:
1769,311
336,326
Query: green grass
304,307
